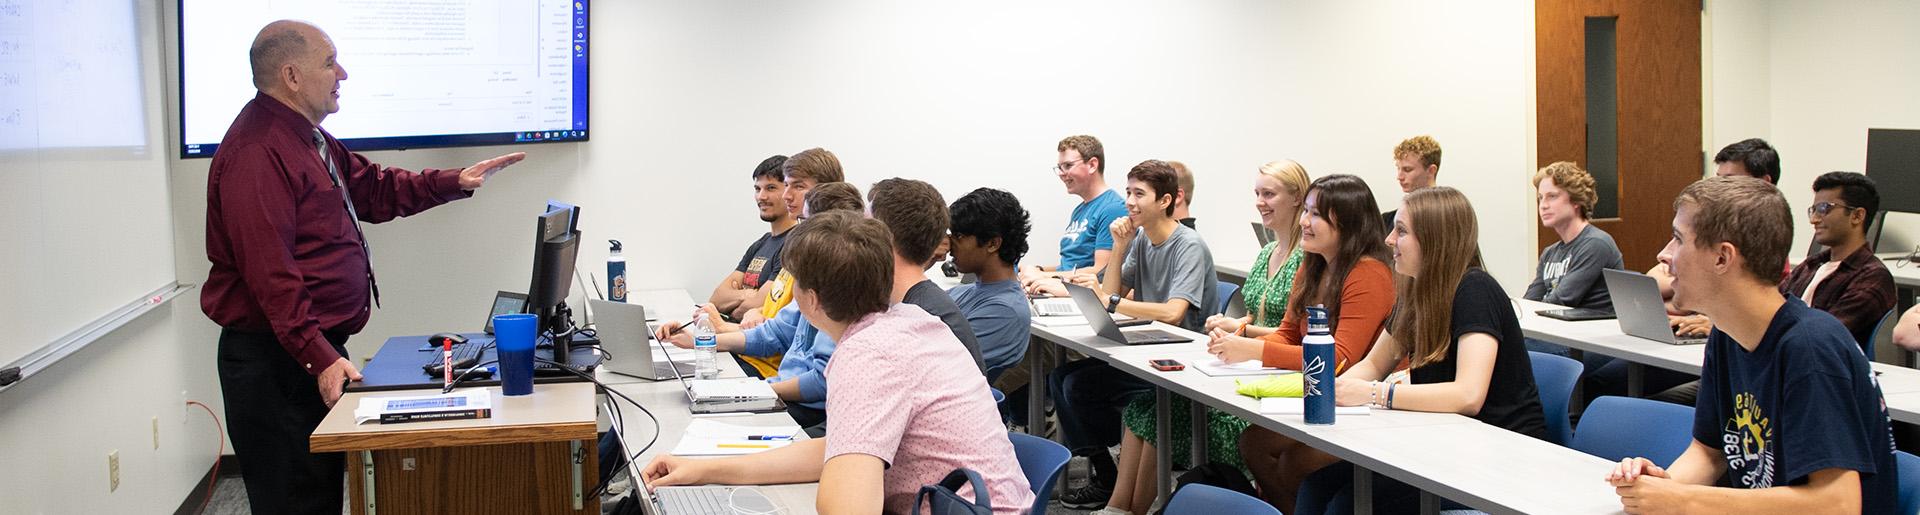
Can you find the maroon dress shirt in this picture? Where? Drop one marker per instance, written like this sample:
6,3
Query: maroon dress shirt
287,258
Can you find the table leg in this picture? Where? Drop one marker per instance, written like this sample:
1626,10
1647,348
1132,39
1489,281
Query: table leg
1362,491
1636,380
1163,448
1578,402
1037,352
1198,438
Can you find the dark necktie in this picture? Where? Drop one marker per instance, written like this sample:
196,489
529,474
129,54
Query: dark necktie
346,198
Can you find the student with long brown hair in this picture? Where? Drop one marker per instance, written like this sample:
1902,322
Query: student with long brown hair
1454,334
1344,269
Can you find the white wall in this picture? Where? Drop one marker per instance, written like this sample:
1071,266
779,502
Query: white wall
57,427
1819,74
688,97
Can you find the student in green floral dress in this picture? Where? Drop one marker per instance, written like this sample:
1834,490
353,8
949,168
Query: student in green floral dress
1278,193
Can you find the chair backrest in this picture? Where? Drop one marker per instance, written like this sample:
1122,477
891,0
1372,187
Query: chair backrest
1041,460
1555,376
1618,428
1200,499
1225,290
1236,304
1882,348
1909,466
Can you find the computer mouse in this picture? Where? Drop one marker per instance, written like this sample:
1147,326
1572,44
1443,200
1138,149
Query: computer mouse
442,339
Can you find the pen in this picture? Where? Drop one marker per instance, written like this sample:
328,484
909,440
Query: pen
742,446
696,318
770,437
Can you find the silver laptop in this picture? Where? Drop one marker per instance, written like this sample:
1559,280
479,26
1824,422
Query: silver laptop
624,333
707,500
1103,324
1260,232
1636,301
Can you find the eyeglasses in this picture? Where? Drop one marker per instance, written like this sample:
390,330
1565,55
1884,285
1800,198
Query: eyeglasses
1063,167
1822,208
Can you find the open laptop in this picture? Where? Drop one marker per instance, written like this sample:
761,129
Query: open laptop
1636,301
705,500
1260,232
1103,323
623,331
705,396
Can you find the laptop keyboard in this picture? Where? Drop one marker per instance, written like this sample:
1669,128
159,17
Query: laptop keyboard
464,357
1055,307
681,501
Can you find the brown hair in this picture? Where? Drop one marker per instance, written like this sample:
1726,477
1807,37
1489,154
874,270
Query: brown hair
1347,203
1422,146
1158,175
1576,182
833,196
814,163
845,259
1444,224
1184,177
1088,147
914,213
1747,212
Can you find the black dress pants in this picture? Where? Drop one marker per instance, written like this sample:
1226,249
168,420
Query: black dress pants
273,406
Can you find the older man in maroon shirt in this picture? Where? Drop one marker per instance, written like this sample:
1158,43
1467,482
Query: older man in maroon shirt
291,276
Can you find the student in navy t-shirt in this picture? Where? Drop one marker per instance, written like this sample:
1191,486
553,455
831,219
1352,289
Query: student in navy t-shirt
1789,414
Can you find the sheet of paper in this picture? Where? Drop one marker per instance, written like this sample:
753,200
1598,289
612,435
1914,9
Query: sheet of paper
1298,406
708,437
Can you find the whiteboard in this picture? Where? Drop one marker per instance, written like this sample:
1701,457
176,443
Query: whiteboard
83,179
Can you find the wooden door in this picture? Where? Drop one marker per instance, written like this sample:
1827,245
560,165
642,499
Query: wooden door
1655,146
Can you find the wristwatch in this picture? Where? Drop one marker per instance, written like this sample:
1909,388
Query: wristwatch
1113,302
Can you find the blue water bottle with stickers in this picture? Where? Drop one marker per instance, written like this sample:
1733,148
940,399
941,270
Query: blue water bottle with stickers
1317,366
616,273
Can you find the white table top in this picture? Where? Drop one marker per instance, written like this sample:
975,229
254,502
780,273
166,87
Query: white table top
1454,456
1233,267
1904,276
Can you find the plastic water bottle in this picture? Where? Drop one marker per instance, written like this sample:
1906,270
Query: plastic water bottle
1318,366
704,345
616,273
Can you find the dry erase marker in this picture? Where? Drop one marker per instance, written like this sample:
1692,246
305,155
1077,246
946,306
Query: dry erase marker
446,354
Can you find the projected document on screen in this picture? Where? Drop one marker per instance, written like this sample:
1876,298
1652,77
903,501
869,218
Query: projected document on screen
420,73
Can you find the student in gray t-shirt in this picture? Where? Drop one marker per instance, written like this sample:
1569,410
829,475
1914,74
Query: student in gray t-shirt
1569,270
1168,271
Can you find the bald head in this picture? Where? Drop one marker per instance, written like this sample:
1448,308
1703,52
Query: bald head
279,43
295,62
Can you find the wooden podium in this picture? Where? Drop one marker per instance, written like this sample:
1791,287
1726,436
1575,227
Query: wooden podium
537,454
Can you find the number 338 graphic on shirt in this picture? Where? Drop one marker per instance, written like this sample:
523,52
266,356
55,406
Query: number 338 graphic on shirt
1747,441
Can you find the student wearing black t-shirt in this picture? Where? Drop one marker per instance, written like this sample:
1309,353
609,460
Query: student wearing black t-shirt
1789,414
739,293
1454,327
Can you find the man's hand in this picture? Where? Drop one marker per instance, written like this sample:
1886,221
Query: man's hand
475,176
1050,286
670,470
333,380
1646,488
752,320
1123,230
1690,326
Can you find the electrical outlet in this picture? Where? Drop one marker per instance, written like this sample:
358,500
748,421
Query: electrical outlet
156,432
113,470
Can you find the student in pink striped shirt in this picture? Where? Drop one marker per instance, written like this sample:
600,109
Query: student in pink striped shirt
905,401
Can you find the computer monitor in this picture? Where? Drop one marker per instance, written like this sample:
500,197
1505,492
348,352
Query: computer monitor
555,246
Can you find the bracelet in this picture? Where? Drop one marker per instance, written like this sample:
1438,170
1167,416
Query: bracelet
1390,390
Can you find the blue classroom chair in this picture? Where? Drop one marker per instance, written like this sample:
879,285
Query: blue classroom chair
1199,499
1555,377
1041,460
1618,428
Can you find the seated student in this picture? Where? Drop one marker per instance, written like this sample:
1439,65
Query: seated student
916,216
1416,164
804,171
1751,157
1569,269
1789,415
739,292
989,236
1456,330
1345,270
1279,194
1086,243
1166,275
892,431
804,350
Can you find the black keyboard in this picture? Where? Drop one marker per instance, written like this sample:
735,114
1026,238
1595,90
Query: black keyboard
465,356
